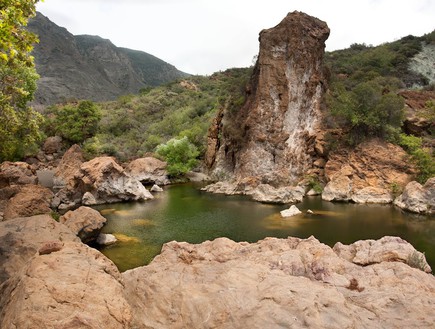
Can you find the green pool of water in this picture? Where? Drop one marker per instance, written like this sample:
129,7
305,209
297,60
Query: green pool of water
184,213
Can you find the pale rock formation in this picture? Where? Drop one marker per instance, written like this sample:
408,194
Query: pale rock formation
149,171
85,222
281,283
269,194
367,173
292,211
271,138
417,198
156,188
105,239
108,182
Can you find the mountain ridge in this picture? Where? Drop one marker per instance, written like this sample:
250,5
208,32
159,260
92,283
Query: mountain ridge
91,67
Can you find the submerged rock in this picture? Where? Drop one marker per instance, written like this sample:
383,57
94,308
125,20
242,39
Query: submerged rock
277,283
106,239
292,211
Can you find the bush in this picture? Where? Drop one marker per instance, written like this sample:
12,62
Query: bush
422,156
180,155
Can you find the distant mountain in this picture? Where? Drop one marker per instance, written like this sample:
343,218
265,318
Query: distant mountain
90,67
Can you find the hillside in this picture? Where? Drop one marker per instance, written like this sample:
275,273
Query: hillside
89,67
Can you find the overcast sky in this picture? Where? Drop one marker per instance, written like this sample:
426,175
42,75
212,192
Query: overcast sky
205,36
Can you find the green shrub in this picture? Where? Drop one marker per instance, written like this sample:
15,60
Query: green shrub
421,156
180,155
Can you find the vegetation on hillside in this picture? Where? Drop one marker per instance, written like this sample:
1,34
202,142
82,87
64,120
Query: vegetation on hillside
19,123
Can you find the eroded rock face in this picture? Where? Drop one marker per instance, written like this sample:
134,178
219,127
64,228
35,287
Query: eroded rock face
417,198
16,173
367,173
272,136
277,283
49,279
108,182
101,180
149,171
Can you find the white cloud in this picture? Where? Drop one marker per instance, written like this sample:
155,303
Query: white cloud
203,36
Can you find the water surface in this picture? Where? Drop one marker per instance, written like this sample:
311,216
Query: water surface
184,213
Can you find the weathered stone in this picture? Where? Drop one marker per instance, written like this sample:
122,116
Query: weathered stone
156,188
372,194
16,173
149,171
85,222
386,249
272,136
30,200
52,145
69,167
75,287
106,239
417,198
366,173
21,238
277,283
108,182
50,246
270,194
338,189
292,211
221,188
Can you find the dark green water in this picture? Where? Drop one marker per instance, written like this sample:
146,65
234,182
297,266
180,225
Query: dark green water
184,213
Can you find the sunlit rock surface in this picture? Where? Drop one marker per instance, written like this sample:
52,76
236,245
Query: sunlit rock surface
283,283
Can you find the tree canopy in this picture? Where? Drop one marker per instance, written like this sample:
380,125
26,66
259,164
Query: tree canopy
19,123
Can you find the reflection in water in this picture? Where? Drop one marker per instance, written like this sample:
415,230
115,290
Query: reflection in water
184,213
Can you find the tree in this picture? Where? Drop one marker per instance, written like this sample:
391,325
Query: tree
77,123
180,155
19,123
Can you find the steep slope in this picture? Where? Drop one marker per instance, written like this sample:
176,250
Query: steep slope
90,67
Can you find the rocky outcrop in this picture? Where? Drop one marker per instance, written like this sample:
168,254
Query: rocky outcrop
85,222
292,282
417,114
271,138
149,171
367,174
417,198
101,180
49,279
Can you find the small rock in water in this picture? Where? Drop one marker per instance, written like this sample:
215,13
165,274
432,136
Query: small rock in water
106,239
309,211
292,211
156,188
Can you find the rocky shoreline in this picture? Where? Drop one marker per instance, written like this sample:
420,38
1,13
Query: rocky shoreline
49,279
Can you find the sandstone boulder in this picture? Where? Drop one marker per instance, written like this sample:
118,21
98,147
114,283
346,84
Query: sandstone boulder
149,171
108,182
75,287
49,279
69,167
338,189
16,173
85,222
106,239
29,200
277,283
417,198
269,194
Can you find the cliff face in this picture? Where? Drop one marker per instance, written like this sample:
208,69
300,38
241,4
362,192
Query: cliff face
89,67
272,137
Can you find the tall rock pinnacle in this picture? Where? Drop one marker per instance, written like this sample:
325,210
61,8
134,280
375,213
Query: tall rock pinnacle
271,138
